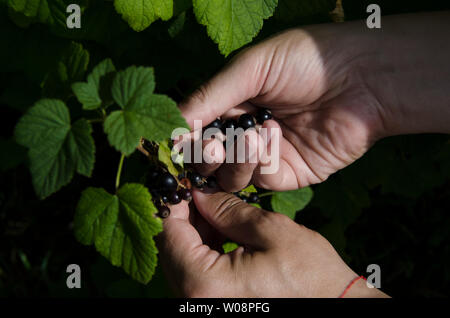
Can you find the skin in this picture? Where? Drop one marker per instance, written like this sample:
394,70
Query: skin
334,90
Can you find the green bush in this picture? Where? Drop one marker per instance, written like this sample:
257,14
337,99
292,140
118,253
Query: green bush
66,98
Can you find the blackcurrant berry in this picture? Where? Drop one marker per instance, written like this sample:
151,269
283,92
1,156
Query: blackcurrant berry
168,182
246,121
211,182
262,116
163,211
164,199
230,123
253,198
196,180
215,124
174,198
152,180
185,194
245,200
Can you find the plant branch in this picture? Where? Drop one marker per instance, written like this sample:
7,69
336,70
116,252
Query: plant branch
119,171
96,120
266,194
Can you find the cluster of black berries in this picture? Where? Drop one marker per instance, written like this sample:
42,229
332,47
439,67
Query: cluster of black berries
166,189
198,181
245,121
247,197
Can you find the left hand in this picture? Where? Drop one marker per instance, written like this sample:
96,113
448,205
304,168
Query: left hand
277,257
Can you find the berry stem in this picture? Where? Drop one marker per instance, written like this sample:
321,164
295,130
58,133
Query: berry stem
266,194
95,120
119,171
103,111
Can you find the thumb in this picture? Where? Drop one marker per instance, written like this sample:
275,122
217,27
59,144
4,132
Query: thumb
235,84
237,220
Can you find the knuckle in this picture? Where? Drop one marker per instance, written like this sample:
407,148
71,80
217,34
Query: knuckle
279,219
227,205
266,222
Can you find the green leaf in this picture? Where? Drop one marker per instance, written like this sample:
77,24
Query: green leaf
164,156
19,18
69,69
141,13
289,202
229,247
121,227
56,148
250,189
81,146
153,117
143,114
132,84
51,12
91,93
164,116
294,10
48,119
74,63
177,25
233,23
31,8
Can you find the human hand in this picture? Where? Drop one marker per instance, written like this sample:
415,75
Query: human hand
326,115
333,90
277,257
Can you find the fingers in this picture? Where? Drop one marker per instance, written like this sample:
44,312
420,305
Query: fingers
234,85
213,157
237,172
237,220
276,169
181,247
265,159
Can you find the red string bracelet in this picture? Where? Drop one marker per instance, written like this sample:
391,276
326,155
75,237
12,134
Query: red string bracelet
353,281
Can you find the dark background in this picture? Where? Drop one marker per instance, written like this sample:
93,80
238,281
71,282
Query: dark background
390,208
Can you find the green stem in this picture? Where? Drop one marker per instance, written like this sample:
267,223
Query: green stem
96,120
103,113
266,194
119,171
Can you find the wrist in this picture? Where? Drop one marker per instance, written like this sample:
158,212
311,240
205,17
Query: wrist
361,289
408,73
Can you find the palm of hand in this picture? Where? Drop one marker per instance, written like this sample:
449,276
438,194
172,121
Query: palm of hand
327,116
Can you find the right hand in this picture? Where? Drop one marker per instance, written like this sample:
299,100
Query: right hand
327,116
